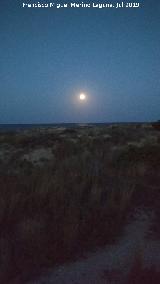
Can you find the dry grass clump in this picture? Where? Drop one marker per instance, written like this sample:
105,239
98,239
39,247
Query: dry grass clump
53,214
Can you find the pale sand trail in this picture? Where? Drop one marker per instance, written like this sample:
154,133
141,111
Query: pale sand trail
112,263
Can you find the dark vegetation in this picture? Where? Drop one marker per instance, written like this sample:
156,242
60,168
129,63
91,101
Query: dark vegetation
79,199
142,275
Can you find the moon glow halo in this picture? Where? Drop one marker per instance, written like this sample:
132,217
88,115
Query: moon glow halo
82,97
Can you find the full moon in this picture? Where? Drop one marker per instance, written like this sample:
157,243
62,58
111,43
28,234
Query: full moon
82,97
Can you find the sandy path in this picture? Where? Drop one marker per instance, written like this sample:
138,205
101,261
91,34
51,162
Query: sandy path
111,264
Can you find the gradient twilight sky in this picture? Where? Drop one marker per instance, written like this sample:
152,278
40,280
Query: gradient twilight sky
49,56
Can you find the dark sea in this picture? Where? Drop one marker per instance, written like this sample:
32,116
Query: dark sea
19,127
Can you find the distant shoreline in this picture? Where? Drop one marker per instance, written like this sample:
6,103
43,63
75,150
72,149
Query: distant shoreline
23,126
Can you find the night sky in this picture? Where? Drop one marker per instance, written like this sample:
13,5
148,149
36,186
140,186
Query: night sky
49,56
